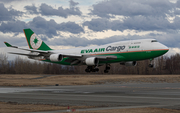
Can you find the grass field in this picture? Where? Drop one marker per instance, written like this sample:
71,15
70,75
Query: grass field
134,110
44,80
11,107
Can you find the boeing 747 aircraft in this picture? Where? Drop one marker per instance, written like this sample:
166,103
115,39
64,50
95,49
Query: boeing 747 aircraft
123,52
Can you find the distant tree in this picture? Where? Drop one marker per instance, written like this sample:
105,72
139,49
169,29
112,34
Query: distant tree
3,63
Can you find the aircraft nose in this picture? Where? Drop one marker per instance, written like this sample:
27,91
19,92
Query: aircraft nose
165,48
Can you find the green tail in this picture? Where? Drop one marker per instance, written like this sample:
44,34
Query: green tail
34,41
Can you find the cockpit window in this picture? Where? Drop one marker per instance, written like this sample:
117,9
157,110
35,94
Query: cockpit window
154,41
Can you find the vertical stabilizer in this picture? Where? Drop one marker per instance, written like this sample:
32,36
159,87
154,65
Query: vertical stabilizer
34,41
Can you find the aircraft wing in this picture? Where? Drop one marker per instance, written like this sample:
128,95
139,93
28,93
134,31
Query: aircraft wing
101,58
32,50
72,55
106,57
36,53
73,58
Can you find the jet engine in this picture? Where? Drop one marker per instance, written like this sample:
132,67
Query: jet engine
56,57
131,63
91,61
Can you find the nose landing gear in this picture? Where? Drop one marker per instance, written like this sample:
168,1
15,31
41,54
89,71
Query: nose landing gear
151,65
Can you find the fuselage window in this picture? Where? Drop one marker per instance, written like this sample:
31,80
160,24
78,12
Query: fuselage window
154,41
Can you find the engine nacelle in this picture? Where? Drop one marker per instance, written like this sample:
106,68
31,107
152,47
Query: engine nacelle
131,63
91,61
56,57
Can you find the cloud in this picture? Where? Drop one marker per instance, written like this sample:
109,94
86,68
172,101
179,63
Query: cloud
71,41
32,9
138,15
50,11
132,8
9,1
143,23
70,27
41,26
8,15
16,41
178,4
12,26
139,23
47,10
73,4
99,24
168,39
50,27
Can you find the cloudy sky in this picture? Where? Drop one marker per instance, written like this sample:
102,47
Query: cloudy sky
75,23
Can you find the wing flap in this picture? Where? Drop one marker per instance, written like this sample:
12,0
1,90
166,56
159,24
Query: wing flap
106,57
72,55
30,55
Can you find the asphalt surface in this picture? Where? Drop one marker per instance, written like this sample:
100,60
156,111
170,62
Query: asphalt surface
108,96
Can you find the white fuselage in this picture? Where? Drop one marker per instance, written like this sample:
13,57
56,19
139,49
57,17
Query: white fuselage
117,47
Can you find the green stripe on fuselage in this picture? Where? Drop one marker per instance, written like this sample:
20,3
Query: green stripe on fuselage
127,56
135,56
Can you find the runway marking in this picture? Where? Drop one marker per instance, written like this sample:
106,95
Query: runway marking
137,87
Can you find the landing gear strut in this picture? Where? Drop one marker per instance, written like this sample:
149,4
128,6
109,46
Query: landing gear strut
151,65
91,69
107,68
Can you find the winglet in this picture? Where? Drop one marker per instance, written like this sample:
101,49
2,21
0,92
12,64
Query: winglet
7,44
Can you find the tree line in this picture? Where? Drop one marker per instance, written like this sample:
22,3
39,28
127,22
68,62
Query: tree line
162,65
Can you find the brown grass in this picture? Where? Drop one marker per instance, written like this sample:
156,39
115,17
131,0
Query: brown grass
29,80
13,107
134,110
17,108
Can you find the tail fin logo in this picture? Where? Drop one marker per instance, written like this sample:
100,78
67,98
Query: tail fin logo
35,41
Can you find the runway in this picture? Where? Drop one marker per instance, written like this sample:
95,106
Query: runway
164,95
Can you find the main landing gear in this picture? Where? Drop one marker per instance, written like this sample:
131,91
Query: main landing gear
96,69
107,68
91,69
151,65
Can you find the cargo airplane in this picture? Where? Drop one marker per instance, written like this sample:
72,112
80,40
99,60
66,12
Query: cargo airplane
123,52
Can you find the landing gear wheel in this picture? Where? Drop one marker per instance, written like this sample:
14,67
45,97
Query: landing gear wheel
87,70
91,69
151,65
106,71
107,68
95,70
